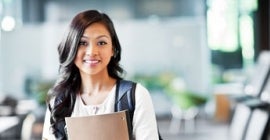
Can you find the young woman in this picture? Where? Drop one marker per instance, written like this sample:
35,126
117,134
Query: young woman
89,69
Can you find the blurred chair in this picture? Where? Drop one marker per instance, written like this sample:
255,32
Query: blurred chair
251,117
250,124
239,122
250,89
179,115
258,126
27,127
9,126
186,106
255,83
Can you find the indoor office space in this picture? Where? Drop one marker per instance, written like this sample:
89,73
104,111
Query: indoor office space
205,63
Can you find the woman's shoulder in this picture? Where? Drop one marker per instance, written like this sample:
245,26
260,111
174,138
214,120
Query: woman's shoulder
141,87
51,102
141,91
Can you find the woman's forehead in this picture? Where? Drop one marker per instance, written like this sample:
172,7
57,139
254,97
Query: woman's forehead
96,30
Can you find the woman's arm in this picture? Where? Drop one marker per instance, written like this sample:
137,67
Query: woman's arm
144,119
46,126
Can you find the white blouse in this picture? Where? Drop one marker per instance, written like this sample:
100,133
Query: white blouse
144,119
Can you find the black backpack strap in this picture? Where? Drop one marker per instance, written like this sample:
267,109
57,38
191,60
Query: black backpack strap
125,100
125,96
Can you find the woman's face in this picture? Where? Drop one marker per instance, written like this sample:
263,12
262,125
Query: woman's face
95,50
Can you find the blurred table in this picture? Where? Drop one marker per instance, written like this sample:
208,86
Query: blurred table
8,122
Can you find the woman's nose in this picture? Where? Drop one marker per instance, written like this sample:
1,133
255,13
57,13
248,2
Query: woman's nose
91,50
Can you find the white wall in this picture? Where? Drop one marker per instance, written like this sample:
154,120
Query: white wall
149,46
1,63
177,45
20,56
28,51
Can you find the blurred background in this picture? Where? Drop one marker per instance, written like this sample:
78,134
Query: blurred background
190,54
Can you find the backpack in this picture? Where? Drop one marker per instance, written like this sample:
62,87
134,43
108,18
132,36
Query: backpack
124,100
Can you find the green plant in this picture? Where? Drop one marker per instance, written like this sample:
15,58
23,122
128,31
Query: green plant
183,97
41,91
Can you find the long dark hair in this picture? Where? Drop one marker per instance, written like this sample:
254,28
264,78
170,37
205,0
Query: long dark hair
64,91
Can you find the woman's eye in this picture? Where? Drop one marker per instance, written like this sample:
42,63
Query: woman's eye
83,43
101,43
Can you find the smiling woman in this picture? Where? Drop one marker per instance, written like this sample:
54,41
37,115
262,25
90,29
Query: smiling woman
89,77
95,50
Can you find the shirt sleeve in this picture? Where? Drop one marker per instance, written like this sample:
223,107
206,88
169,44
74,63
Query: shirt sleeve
144,119
46,126
47,133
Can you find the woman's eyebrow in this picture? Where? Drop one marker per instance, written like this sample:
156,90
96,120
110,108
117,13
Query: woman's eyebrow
84,37
100,36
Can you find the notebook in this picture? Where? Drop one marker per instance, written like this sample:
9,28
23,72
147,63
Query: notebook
113,126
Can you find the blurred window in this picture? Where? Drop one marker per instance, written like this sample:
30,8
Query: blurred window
230,29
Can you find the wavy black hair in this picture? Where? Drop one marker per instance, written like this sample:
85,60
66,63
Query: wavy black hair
68,83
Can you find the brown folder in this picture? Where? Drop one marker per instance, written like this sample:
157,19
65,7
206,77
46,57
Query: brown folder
113,126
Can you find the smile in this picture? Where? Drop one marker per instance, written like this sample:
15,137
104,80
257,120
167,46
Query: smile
91,61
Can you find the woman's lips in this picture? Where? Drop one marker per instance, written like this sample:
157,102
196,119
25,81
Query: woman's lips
91,61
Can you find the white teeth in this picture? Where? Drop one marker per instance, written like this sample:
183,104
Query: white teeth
91,62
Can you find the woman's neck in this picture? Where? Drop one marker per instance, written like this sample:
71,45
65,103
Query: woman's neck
96,84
